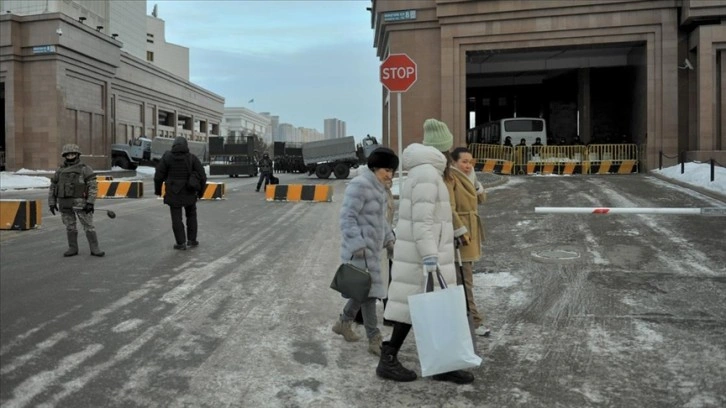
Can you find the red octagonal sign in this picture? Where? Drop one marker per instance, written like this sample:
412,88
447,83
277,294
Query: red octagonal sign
398,72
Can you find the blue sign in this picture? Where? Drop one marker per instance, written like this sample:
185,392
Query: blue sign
44,49
401,15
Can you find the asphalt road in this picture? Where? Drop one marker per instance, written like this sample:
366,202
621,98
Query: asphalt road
585,310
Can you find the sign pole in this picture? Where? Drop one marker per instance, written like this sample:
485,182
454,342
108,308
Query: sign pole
399,119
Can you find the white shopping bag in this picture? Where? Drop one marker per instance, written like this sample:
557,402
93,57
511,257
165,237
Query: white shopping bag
441,330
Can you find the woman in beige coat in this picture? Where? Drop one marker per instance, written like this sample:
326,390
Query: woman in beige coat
466,193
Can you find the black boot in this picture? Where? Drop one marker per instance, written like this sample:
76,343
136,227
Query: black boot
457,377
93,243
390,368
72,243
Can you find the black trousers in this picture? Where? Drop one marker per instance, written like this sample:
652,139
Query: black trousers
265,175
177,224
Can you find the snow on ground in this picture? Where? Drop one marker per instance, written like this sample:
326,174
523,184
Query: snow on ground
696,174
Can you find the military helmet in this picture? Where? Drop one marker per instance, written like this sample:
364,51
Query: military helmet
70,148
266,155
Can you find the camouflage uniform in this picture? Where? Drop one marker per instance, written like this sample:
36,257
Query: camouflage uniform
73,190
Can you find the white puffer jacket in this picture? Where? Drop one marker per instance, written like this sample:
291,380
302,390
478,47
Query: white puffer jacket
424,229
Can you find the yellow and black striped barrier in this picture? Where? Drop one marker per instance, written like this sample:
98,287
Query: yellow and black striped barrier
495,166
299,192
120,189
212,191
104,178
566,160
20,214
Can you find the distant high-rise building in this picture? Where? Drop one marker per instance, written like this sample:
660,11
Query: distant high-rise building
334,128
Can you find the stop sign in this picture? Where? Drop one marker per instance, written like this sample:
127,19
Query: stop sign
398,72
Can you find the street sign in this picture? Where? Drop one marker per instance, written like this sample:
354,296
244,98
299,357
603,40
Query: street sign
401,15
398,73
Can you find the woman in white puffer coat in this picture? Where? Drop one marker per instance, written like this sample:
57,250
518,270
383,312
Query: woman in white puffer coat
424,239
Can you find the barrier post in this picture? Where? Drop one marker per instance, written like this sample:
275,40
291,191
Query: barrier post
683,162
712,169
660,160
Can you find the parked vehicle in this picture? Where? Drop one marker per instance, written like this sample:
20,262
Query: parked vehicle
143,150
336,156
232,157
516,129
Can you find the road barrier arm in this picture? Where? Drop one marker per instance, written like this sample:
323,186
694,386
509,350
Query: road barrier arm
714,211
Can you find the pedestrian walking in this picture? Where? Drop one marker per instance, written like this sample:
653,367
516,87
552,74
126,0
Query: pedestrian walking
185,178
424,241
466,193
265,165
387,257
73,191
365,235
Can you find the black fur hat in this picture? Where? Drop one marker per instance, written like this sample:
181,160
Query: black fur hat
383,157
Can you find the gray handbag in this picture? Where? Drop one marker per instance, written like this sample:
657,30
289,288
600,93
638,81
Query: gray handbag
351,281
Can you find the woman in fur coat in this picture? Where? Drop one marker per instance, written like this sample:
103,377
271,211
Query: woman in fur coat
365,233
466,193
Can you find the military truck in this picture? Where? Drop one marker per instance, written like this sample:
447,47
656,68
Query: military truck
232,156
336,156
288,157
143,150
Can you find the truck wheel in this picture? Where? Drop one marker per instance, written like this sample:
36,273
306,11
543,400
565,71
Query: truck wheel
323,171
341,171
121,161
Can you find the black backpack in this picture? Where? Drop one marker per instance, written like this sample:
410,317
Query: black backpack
194,183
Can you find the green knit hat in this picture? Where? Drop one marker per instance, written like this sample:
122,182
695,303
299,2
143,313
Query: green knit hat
437,135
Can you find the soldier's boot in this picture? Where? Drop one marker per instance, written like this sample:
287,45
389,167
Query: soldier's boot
93,243
72,243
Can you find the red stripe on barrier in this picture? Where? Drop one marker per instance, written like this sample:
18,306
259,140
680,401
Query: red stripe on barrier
601,211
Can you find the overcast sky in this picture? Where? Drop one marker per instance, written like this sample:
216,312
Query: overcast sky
304,61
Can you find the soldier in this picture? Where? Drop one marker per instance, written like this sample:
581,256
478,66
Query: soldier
266,168
73,188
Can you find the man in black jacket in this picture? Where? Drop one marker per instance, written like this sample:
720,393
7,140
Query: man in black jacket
175,169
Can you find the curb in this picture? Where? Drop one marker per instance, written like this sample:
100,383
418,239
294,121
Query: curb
704,191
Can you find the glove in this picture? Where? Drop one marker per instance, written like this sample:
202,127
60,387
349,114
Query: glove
389,245
53,209
479,188
461,241
88,208
359,253
430,263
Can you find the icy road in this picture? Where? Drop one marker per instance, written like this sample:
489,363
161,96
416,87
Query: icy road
585,310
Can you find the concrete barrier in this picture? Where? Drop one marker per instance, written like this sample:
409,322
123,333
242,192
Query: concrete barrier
299,192
20,214
120,189
212,191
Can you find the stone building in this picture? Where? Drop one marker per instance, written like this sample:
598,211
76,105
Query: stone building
63,81
648,72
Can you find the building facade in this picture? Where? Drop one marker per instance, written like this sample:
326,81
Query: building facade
167,56
646,72
238,121
64,81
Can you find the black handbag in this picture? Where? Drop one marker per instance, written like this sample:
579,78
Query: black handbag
352,281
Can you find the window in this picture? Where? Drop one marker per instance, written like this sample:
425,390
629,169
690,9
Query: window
150,56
